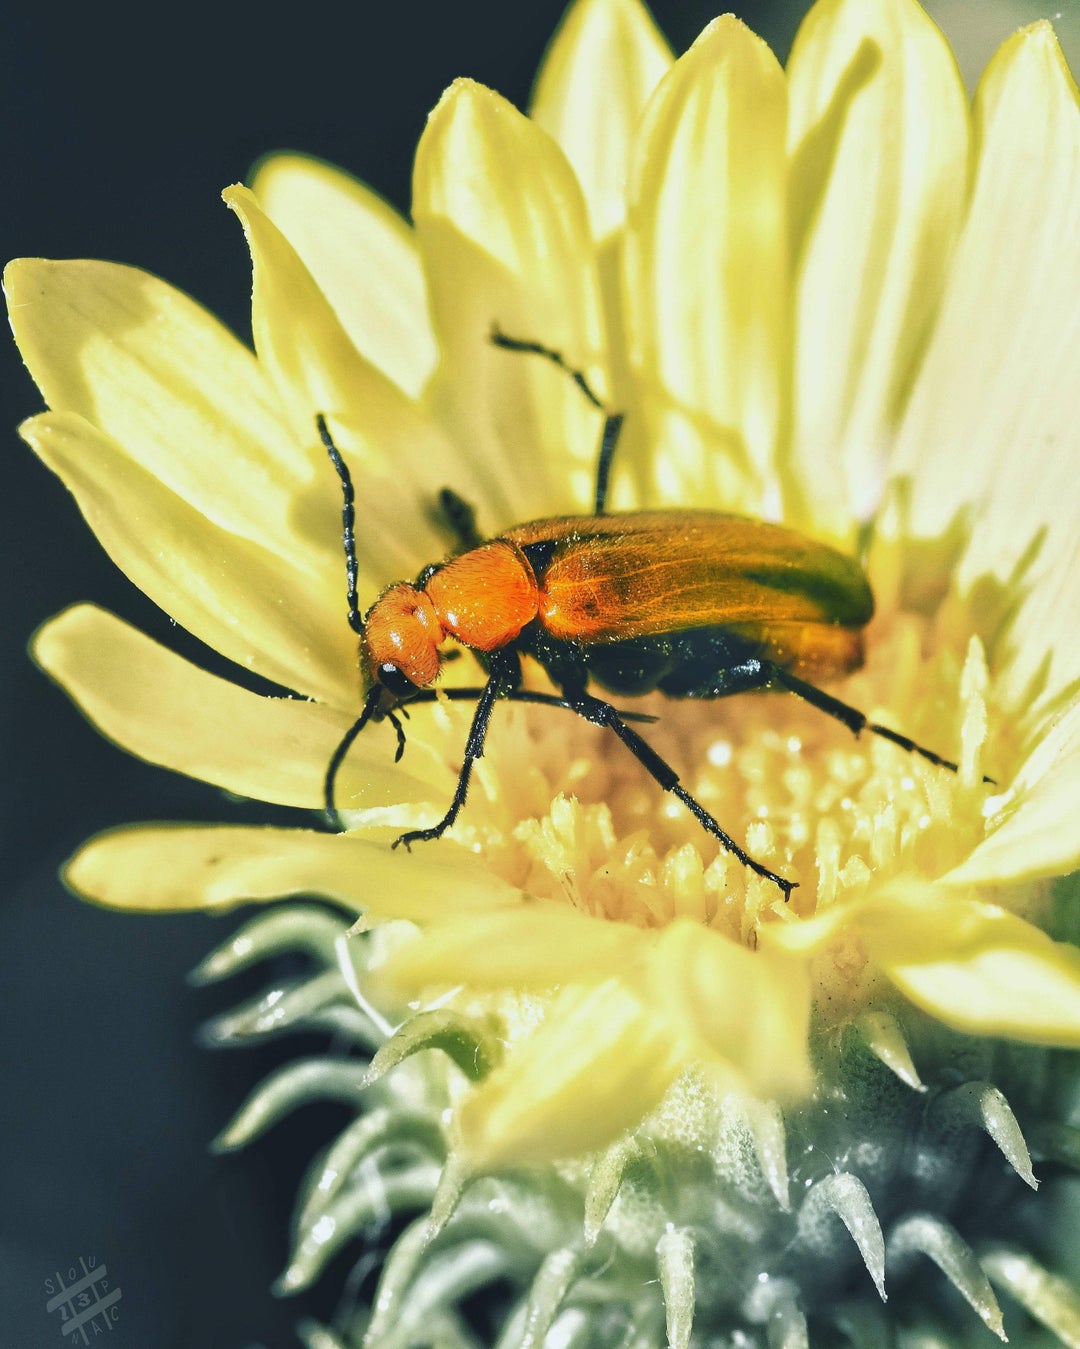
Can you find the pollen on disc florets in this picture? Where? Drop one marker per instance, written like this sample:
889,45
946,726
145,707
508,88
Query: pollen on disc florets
562,809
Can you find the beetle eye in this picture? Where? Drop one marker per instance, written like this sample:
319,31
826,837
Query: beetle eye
400,685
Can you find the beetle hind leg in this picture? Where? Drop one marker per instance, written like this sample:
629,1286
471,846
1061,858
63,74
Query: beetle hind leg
852,718
609,437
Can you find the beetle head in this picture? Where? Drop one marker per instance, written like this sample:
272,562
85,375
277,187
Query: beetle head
402,635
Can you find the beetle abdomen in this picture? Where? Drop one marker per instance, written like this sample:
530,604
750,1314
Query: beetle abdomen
714,662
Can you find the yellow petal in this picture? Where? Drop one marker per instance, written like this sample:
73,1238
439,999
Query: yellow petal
1035,833
240,598
535,946
972,965
298,337
748,1011
173,867
878,132
602,65
169,712
168,383
706,268
363,256
992,422
599,1063
1013,981
505,239
398,456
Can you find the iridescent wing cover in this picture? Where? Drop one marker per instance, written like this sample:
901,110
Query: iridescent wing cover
606,578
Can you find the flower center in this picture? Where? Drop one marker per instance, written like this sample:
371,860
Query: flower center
562,809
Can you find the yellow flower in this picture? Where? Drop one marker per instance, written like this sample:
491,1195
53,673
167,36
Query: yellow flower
837,295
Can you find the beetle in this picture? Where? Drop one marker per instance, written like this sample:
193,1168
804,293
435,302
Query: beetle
690,603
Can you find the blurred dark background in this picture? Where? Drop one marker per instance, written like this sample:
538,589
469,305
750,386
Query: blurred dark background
120,126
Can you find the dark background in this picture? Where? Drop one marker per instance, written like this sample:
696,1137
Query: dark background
120,126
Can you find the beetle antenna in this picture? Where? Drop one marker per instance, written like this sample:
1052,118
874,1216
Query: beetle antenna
613,421
348,523
344,745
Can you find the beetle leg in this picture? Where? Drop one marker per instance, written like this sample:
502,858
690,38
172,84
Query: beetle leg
461,517
603,714
473,695
399,730
502,682
613,421
500,339
851,717
609,438
474,748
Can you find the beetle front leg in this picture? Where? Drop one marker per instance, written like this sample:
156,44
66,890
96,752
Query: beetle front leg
504,678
